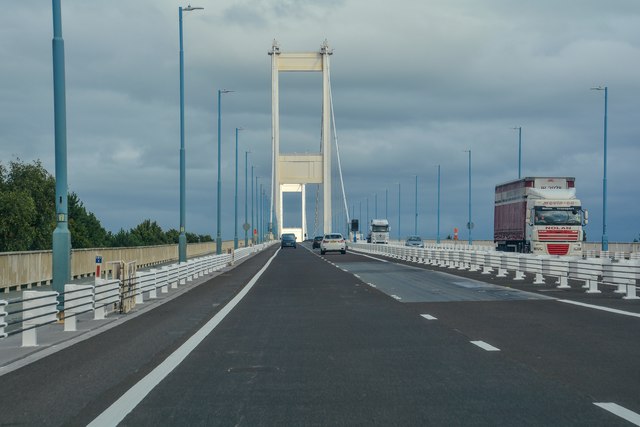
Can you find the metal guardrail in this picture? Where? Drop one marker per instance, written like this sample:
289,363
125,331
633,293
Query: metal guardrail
39,308
606,269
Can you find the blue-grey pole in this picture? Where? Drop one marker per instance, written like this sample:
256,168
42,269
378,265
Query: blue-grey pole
386,203
415,225
368,213
261,221
469,225
361,223
61,244
235,215
399,235
605,238
519,152
438,216
182,238
219,219
376,205
246,194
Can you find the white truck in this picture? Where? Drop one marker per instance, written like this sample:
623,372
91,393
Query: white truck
540,215
378,231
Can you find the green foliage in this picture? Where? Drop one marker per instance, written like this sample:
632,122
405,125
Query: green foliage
28,216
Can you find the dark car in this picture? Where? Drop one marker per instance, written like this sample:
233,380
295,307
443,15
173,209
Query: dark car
316,242
288,240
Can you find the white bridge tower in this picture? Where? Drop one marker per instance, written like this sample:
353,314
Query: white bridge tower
291,172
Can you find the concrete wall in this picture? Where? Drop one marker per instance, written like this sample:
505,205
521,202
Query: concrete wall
34,268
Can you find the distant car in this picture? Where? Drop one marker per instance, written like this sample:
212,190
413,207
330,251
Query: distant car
333,242
414,241
288,240
316,242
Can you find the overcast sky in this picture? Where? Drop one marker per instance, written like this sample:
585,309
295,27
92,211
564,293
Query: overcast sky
415,84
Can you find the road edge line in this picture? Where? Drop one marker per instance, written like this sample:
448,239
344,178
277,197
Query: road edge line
119,409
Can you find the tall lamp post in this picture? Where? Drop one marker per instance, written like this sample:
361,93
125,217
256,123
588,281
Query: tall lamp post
246,225
438,215
235,215
519,129
218,233
415,223
605,238
182,238
61,239
399,235
469,224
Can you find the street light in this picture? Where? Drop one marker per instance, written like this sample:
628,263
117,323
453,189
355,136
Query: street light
246,225
182,238
415,224
469,224
605,238
399,235
438,216
61,239
218,235
235,215
519,129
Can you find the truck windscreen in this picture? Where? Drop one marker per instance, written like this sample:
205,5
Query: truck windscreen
379,228
558,216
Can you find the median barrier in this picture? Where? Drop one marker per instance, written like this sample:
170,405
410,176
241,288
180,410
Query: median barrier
78,299
588,270
38,308
623,274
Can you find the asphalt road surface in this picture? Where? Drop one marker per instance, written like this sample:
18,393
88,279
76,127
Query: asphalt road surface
313,344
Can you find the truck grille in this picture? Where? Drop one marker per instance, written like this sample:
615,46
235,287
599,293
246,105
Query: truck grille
558,249
558,235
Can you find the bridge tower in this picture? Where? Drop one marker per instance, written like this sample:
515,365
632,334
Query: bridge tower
291,172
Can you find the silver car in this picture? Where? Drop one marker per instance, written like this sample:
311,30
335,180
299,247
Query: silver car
414,241
333,242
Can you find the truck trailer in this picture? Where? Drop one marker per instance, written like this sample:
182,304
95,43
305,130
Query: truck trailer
539,215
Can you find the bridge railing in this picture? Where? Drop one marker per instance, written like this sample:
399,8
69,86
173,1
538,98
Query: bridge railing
593,271
35,309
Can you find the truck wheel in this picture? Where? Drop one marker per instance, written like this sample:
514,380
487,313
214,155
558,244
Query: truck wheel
343,252
322,252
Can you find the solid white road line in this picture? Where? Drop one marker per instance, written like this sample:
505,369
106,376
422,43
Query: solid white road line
372,285
356,276
396,297
620,411
429,317
483,345
597,307
115,413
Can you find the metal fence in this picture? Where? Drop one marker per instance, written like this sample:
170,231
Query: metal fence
35,309
594,268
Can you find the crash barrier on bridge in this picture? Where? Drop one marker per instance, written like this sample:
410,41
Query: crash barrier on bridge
107,295
24,270
620,272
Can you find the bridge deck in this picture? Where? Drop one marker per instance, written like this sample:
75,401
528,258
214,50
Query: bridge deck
312,344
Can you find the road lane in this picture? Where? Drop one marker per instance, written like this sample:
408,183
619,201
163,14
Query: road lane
311,344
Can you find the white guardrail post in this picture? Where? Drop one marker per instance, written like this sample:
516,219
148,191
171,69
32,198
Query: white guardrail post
106,293
3,314
78,299
39,309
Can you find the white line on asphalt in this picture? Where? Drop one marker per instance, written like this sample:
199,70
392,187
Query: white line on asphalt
597,307
620,411
429,317
345,270
357,276
115,413
372,257
371,284
483,345
396,297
